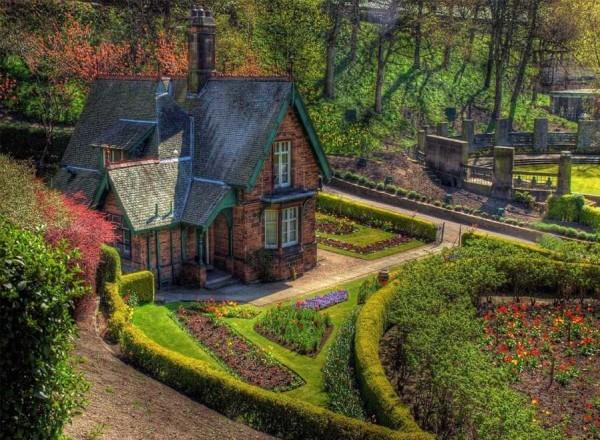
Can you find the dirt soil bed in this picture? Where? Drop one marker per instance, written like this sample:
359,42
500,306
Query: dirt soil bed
412,176
246,360
125,404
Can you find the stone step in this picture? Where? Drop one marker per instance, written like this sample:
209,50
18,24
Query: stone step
218,281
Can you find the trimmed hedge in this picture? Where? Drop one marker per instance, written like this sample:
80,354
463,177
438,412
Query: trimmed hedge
379,395
364,213
266,411
109,269
473,237
590,216
140,284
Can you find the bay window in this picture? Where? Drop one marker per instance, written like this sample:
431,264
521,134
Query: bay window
286,233
289,226
271,228
282,160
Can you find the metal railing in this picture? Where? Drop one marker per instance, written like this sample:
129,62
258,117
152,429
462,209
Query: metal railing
533,180
518,138
484,140
480,175
562,138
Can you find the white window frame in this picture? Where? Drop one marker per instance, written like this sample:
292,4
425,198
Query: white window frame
282,168
271,219
289,226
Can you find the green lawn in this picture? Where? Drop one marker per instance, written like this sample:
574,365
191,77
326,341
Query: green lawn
156,322
362,236
585,179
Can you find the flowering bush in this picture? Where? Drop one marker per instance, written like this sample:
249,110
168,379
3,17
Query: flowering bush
300,329
324,301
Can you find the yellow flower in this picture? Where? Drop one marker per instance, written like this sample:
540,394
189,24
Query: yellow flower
534,401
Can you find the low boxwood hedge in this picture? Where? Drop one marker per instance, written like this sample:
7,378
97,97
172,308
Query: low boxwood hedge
379,395
472,237
266,411
364,213
141,284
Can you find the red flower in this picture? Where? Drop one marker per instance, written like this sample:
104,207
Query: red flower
502,309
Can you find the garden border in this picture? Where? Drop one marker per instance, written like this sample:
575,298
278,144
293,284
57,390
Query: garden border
264,410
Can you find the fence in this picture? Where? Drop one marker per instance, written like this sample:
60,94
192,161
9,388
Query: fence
562,139
533,180
480,175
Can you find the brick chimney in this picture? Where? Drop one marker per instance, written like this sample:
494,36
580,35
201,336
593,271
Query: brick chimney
201,49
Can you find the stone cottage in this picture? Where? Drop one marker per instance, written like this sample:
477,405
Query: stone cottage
201,175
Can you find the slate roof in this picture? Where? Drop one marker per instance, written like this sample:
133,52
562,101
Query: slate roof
203,198
199,146
233,120
124,135
152,194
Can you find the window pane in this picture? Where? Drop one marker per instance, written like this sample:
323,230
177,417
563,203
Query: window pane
289,234
271,229
281,163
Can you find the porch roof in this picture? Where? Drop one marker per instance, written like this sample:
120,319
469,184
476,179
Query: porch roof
206,199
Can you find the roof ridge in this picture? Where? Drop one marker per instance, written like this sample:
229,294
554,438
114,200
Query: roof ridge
233,77
131,163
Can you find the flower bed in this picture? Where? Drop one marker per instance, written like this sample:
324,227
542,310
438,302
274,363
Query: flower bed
366,249
335,225
303,330
324,301
247,361
553,352
222,309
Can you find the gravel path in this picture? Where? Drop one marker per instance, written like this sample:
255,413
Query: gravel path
125,404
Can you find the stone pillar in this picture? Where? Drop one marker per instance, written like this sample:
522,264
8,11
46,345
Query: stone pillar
468,132
502,132
504,159
442,129
564,173
586,133
540,134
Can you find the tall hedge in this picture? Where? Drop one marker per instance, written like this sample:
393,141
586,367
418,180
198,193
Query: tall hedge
365,213
141,284
39,391
573,208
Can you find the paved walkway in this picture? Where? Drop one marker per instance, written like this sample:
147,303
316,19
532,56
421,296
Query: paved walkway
332,269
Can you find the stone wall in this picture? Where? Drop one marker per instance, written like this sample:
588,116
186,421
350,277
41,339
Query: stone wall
447,157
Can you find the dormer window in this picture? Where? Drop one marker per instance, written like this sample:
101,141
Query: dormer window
282,161
112,155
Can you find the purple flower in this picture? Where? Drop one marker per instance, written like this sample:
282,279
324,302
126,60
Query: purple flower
322,302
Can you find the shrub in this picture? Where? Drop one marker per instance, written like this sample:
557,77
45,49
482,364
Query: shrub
300,329
367,214
266,411
109,269
524,198
39,391
365,290
590,216
565,208
380,186
141,284
401,192
338,373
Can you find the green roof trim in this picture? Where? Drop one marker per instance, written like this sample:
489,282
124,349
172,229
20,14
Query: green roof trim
100,191
313,139
229,201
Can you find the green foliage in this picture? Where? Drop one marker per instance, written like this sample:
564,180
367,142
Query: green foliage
566,231
266,411
374,216
26,141
590,216
565,208
379,395
40,391
109,270
298,328
141,284
338,373
524,198
368,287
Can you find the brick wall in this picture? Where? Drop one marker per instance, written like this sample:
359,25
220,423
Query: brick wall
248,226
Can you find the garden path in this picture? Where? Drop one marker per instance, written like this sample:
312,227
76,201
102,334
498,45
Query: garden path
125,404
332,269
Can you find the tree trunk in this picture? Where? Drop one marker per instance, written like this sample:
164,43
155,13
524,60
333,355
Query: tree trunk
418,37
520,79
380,75
331,46
355,29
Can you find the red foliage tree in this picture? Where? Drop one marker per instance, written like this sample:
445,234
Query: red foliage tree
79,226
